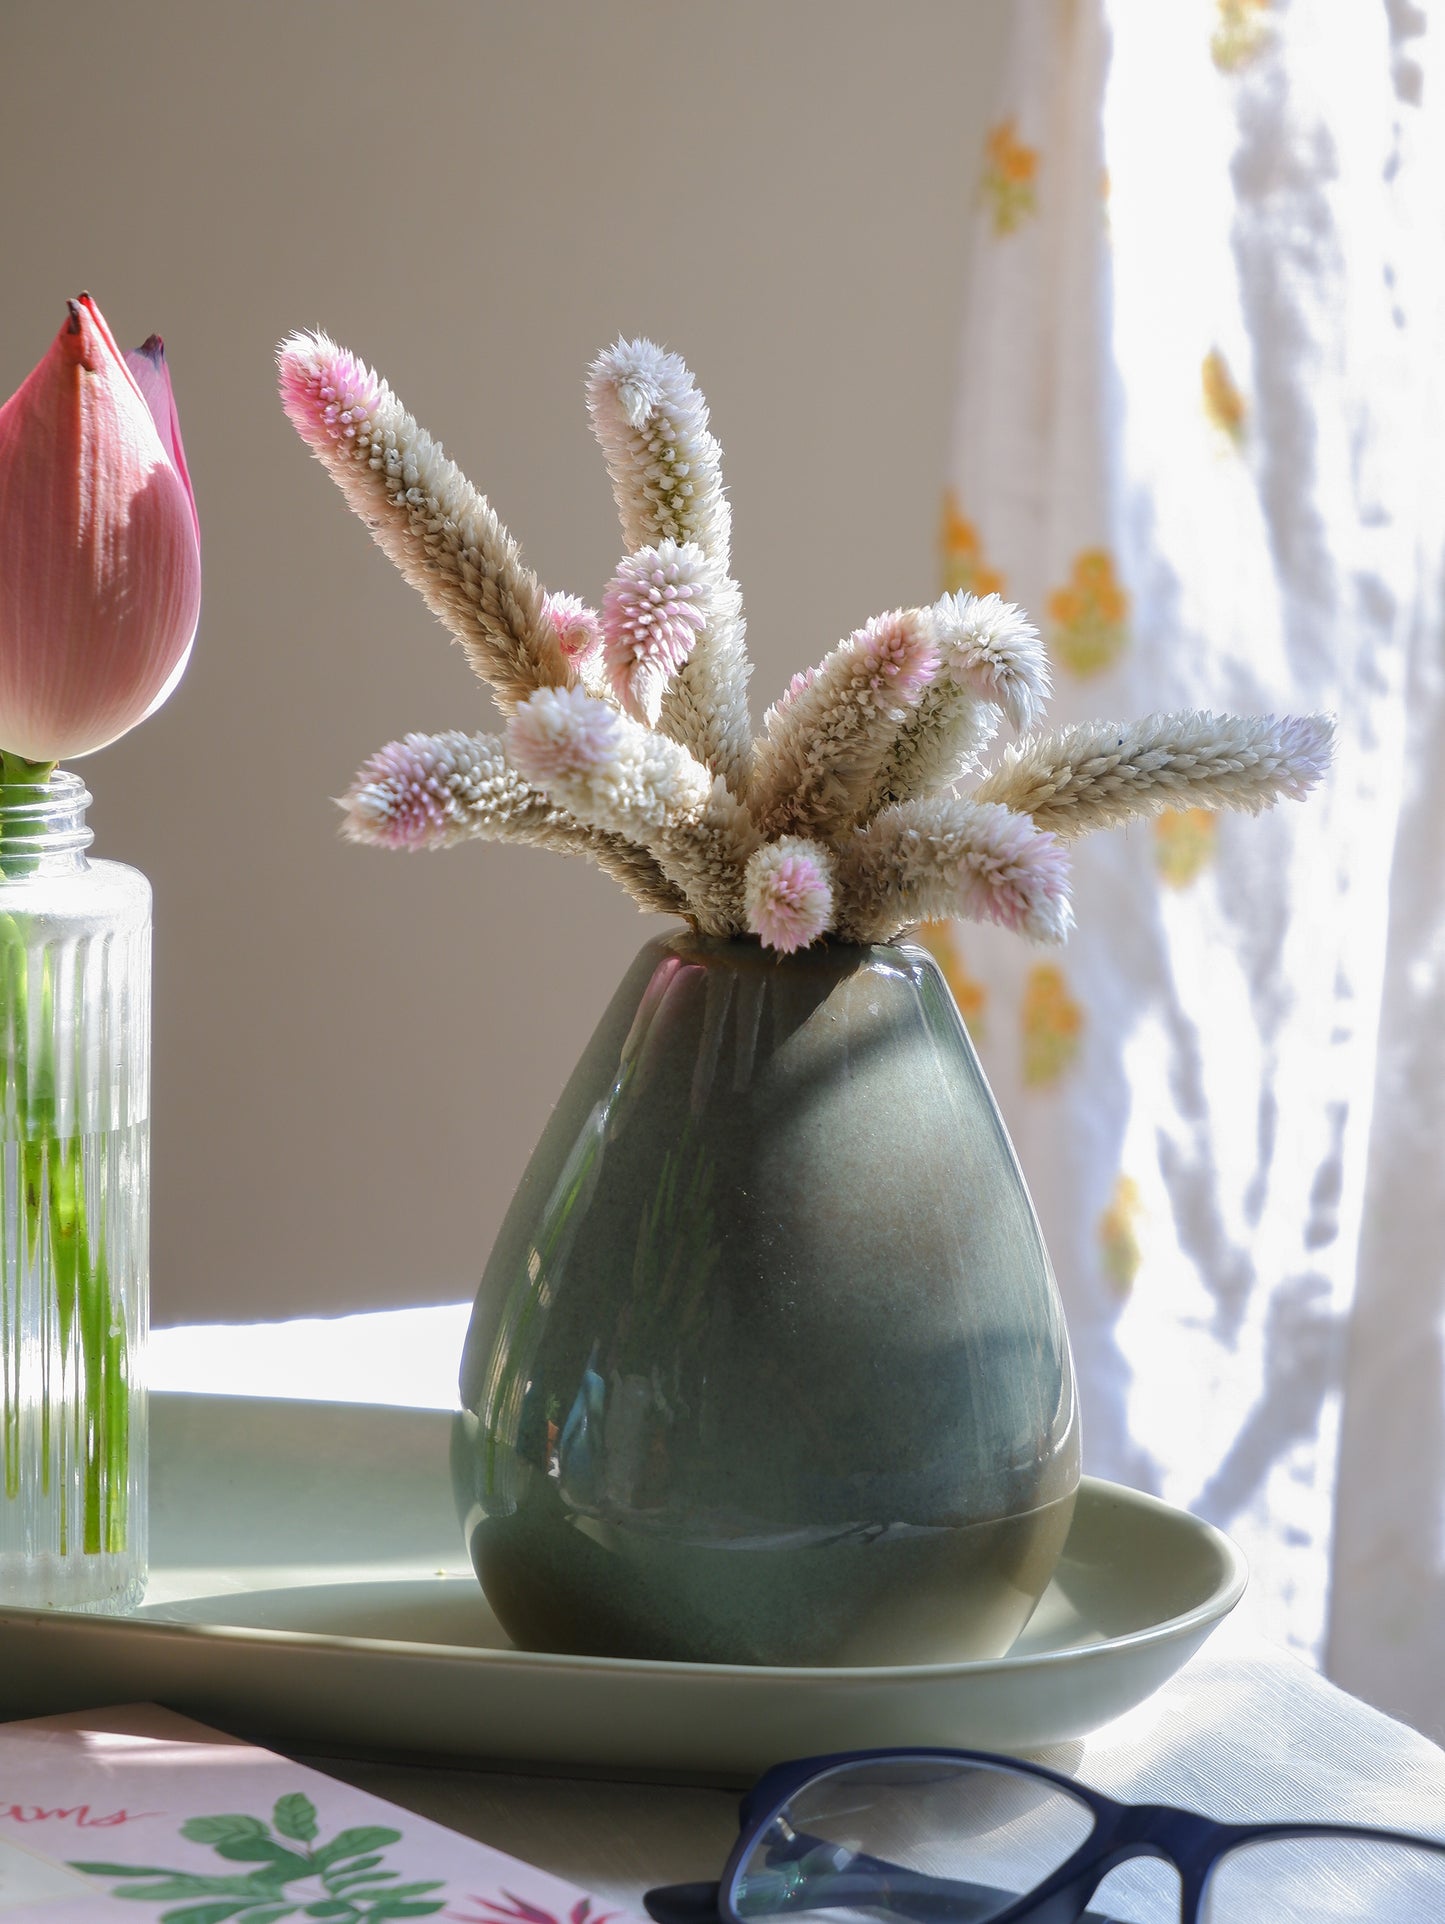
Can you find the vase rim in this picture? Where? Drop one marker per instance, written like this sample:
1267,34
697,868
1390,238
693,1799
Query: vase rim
46,818
828,952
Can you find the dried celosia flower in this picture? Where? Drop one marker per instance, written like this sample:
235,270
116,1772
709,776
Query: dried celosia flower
933,858
838,819
577,627
432,791
618,776
1100,773
992,647
666,471
666,467
788,893
423,512
652,612
990,662
827,742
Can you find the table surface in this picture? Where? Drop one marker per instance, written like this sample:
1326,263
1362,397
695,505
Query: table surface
1245,1731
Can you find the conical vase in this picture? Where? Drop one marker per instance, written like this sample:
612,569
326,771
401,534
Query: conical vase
768,1364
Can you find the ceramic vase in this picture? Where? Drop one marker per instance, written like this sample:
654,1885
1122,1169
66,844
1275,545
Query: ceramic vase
768,1364
74,1207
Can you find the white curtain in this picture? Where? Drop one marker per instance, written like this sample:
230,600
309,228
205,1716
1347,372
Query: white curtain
1200,438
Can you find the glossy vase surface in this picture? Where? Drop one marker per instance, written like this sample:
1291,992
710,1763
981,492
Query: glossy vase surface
75,953
768,1364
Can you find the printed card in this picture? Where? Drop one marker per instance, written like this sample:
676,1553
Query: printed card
142,1815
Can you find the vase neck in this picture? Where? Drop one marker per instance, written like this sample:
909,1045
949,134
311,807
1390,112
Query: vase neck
43,830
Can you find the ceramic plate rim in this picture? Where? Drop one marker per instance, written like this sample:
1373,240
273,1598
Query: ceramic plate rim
1222,1599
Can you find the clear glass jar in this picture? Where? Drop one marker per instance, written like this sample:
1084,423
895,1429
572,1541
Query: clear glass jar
75,941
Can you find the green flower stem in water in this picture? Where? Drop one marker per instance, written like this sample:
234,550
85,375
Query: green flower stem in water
57,1213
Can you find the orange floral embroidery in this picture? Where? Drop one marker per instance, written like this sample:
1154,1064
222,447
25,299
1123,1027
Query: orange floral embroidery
1053,1025
941,941
1118,1236
1010,169
1239,33
964,567
1090,615
1184,844
1223,403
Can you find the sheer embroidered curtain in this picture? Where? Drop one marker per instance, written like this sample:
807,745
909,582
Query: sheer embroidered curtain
1200,437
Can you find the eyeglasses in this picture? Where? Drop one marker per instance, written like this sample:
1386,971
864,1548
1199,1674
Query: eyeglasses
961,1837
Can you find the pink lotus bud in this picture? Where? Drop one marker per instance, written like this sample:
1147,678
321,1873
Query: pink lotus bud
100,563
147,364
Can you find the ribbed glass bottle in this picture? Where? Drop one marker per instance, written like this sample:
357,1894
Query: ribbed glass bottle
74,1207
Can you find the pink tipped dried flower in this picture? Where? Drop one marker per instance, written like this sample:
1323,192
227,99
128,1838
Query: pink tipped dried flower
939,856
652,613
559,733
578,629
330,395
414,793
1014,874
788,893
993,648
834,730
652,423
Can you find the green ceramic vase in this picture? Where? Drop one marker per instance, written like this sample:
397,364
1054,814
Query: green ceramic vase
768,1364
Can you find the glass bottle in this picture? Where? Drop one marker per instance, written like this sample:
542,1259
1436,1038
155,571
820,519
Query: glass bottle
74,1207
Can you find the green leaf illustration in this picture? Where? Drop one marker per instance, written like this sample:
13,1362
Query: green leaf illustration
182,1884
214,1913
357,1890
352,1843
122,1870
221,1830
265,1850
295,1816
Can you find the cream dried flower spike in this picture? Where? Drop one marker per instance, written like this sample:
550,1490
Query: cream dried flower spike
629,739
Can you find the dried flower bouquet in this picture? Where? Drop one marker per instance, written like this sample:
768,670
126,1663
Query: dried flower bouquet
629,739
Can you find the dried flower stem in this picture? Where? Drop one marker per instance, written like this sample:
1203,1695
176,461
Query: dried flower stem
991,662
610,772
830,736
432,791
942,857
425,515
666,470
1099,774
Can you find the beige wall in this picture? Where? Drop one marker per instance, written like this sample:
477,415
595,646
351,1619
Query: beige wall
355,1051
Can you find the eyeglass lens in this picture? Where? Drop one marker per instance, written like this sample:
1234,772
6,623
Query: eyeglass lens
925,1840
1326,1879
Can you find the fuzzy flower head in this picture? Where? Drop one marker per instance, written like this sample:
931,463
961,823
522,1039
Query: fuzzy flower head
559,733
412,793
1016,875
578,630
788,893
651,422
995,649
652,613
799,685
898,653
329,395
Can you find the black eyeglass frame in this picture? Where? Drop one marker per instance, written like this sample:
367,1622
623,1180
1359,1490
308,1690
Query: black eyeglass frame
1192,1843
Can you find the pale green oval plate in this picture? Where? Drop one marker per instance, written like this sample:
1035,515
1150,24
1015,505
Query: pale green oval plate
309,1587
